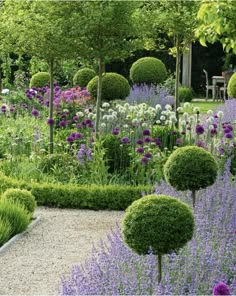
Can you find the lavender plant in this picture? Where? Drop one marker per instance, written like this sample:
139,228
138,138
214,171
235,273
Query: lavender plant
113,269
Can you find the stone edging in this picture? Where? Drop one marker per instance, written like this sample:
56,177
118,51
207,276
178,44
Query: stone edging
19,235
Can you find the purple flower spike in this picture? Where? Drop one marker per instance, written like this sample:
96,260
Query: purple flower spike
50,121
221,289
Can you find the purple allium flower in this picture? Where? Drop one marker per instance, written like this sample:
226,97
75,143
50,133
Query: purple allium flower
144,160
62,123
146,132
35,113
228,136
88,121
148,155
50,121
158,142
75,118
78,126
116,131
178,141
124,140
221,289
174,133
202,145
4,108
147,140
213,132
78,136
200,129
140,150
139,142
70,139
227,130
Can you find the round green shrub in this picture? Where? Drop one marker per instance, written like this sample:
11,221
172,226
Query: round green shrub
231,89
5,231
148,70
166,135
116,155
22,197
190,168
39,79
114,87
83,76
160,222
15,214
185,94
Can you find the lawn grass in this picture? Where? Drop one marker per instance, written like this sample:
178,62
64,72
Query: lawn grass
204,106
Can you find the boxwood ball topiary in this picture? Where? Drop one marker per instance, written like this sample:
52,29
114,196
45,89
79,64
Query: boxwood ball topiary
231,89
114,87
185,94
190,168
39,79
160,222
148,70
83,76
22,197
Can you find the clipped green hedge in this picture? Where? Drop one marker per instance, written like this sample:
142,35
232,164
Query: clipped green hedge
94,197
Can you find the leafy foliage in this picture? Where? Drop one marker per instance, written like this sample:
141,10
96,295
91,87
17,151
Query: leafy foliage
22,197
148,70
158,222
5,231
83,76
114,87
190,168
166,135
39,79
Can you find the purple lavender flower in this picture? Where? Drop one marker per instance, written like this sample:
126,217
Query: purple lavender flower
146,132
221,289
140,150
200,129
50,121
35,113
124,140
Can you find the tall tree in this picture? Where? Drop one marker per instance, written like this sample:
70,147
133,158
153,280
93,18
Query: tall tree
39,28
106,32
177,20
217,23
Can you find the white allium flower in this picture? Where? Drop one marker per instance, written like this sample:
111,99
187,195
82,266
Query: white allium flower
173,119
110,110
128,117
196,109
180,109
191,118
110,118
168,107
162,117
103,124
114,113
125,126
211,127
90,115
102,110
105,117
144,124
163,112
158,107
183,123
80,114
158,121
209,112
105,105
220,114
167,122
186,105
126,105
135,121
185,116
66,110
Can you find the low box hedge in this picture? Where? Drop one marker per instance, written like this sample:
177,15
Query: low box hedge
111,197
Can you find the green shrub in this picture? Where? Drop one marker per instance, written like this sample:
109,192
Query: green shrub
22,197
48,162
148,70
116,155
83,76
185,94
157,222
112,197
166,135
233,164
114,87
39,79
231,89
15,214
190,168
5,231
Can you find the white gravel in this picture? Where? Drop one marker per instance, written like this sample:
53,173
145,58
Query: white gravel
33,265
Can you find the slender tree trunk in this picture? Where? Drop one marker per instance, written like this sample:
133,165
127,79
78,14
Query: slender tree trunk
99,95
159,262
51,64
194,197
177,75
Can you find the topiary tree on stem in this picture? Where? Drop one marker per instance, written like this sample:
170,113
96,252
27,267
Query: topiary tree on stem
190,168
159,223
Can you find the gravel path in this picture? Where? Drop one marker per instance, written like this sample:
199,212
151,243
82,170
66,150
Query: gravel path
34,264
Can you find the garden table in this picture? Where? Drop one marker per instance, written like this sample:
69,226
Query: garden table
215,80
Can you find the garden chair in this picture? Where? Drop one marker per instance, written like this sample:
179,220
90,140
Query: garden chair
223,89
210,87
